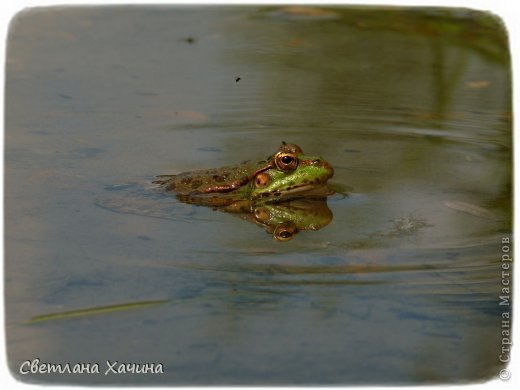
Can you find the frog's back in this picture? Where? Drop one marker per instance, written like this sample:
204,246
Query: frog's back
203,180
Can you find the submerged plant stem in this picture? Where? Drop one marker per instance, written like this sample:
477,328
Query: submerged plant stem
94,311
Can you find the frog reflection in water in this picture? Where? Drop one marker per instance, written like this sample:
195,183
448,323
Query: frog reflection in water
264,192
286,219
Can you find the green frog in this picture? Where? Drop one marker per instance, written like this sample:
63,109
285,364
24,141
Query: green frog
287,174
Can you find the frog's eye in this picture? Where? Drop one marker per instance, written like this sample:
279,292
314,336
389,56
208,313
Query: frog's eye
285,231
286,161
262,180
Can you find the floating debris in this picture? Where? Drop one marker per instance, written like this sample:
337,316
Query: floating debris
408,225
209,149
479,84
469,208
306,12
189,40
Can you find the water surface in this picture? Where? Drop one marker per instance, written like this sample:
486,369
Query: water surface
411,107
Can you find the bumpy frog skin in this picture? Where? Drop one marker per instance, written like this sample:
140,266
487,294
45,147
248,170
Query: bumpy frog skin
287,174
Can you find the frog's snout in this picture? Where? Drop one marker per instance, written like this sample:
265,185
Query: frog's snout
328,168
320,162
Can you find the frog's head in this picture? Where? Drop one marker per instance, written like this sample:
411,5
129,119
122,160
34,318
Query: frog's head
291,174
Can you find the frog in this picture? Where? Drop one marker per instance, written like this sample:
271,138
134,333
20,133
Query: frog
285,175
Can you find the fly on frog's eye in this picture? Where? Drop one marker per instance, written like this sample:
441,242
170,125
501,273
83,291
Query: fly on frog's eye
286,161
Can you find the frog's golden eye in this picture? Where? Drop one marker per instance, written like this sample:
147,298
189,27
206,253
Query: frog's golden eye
286,161
262,180
285,231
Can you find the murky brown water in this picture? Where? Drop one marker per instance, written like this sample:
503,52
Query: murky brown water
411,108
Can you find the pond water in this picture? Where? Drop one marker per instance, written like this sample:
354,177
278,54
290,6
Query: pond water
412,108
